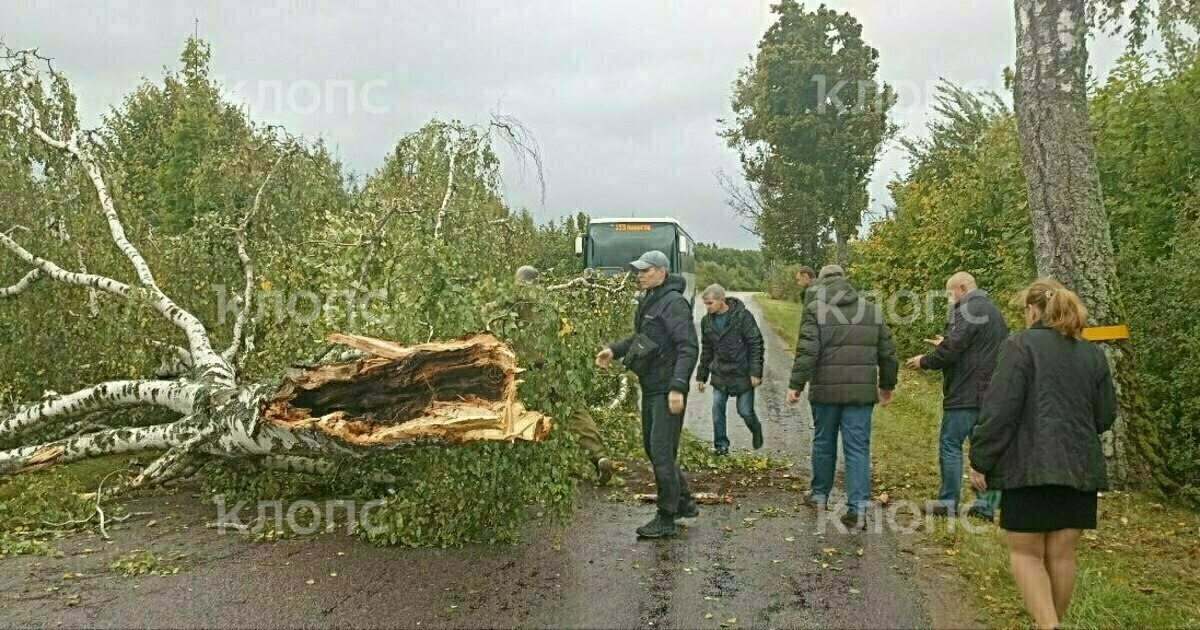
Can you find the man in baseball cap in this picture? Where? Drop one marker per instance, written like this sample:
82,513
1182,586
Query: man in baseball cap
653,259
662,352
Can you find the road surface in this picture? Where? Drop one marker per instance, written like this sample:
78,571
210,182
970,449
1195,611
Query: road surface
759,562
787,428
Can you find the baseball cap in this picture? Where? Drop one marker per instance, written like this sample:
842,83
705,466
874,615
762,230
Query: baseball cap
653,258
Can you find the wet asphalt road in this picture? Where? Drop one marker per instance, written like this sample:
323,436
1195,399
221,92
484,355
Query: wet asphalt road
761,562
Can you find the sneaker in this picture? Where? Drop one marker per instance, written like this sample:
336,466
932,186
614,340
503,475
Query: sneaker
980,514
604,470
661,526
757,433
687,509
721,451
814,502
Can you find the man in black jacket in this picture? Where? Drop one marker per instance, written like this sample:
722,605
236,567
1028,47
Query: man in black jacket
967,356
732,355
662,353
846,354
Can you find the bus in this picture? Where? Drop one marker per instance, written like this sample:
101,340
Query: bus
609,245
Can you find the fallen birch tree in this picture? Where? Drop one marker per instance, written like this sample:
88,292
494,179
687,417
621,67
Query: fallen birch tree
390,396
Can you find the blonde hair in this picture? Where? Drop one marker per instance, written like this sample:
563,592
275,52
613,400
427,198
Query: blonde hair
1061,308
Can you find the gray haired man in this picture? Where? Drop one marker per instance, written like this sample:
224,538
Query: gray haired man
732,356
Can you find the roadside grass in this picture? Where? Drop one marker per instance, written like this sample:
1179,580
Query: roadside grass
1141,568
782,316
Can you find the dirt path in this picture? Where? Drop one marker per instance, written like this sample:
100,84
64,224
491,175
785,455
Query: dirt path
761,562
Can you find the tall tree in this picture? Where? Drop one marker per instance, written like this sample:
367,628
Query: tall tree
811,120
1070,226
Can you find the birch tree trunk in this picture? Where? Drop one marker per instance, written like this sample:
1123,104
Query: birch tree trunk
1070,227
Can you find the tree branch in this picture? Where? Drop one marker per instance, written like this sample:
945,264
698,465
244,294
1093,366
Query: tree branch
208,360
441,214
202,353
22,285
584,283
120,440
174,395
239,324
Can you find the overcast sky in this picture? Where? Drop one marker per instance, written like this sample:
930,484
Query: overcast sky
622,95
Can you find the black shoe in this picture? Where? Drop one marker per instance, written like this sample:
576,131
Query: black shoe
979,514
604,470
854,522
687,509
935,509
756,432
721,451
814,502
661,526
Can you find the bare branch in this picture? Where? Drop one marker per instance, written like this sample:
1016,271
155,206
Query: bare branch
743,200
522,143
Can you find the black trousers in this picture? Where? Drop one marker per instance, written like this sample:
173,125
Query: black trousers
660,437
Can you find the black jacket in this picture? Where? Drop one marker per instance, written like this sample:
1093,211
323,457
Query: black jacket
1041,420
845,349
670,326
969,350
733,356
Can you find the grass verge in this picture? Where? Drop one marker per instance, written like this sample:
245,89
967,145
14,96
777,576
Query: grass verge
1140,569
782,316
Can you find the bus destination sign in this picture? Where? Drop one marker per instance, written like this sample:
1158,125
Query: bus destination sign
633,227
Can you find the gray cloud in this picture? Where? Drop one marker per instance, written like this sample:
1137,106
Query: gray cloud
622,95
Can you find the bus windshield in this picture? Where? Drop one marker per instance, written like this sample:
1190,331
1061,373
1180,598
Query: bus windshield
615,245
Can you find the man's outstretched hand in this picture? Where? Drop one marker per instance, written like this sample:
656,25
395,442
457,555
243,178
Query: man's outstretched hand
604,359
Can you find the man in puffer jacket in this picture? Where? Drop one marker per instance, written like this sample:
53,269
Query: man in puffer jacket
732,355
846,352
662,353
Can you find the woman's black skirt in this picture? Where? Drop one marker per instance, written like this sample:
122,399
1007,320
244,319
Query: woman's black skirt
1038,509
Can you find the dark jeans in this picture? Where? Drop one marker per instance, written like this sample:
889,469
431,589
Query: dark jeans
745,409
957,425
660,437
854,424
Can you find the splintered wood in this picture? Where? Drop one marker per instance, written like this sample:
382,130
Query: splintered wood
457,391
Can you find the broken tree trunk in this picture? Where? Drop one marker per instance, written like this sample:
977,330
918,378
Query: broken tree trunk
450,392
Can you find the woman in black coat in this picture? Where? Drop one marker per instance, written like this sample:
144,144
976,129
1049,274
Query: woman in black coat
1038,440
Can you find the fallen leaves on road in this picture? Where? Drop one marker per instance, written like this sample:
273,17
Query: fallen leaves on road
702,498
